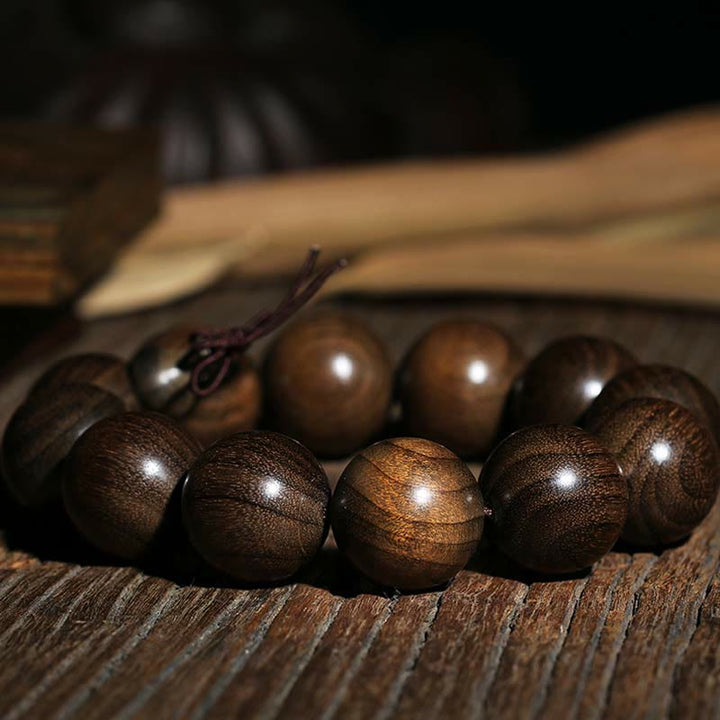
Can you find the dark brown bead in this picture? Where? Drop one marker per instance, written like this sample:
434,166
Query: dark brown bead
557,498
454,384
234,407
105,371
41,433
662,382
561,382
256,506
120,480
408,513
161,372
328,380
671,465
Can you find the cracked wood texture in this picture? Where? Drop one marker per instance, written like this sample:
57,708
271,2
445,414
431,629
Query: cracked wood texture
638,637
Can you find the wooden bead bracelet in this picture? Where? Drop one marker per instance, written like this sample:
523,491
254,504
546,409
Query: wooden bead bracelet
603,449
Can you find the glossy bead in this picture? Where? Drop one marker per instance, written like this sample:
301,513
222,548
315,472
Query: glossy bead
454,384
41,433
562,381
255,506
670,462
408,513
328,380
662,382
557,498
102,370
119,485
161,372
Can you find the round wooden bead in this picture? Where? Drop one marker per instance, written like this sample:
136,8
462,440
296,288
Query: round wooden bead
558,499
662,382
41,433
234,407
562,381
454,384
328,380
161,372
408,513
255,506
121,479
671,465
103,370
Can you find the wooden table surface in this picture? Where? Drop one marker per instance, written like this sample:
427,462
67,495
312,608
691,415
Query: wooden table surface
638,637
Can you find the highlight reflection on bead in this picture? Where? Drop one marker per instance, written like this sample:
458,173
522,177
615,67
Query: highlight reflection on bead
660,451
567,479
422,495
478,372
152,467
592,388
271,488
342,366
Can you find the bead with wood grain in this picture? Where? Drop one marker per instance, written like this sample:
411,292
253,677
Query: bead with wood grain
122,480
161,373
561,382
670,462
408,513
454,384
662,382
557,497
41,433
328,381
103,370
255,506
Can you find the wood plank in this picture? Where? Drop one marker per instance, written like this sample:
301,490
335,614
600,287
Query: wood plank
320,687
664,621
204,614
79,680
535,642
391,658
243,674
585,667
468,634
696,686
42,651
637,637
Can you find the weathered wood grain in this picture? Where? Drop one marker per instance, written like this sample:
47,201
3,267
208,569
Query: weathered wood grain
538,636
637,637
390,659
663,623
696,686
584,668
242,687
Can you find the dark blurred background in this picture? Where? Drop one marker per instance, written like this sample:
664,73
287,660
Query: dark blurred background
244,87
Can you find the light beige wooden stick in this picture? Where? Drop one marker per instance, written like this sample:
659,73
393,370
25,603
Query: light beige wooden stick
655,181
665,165
687,273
